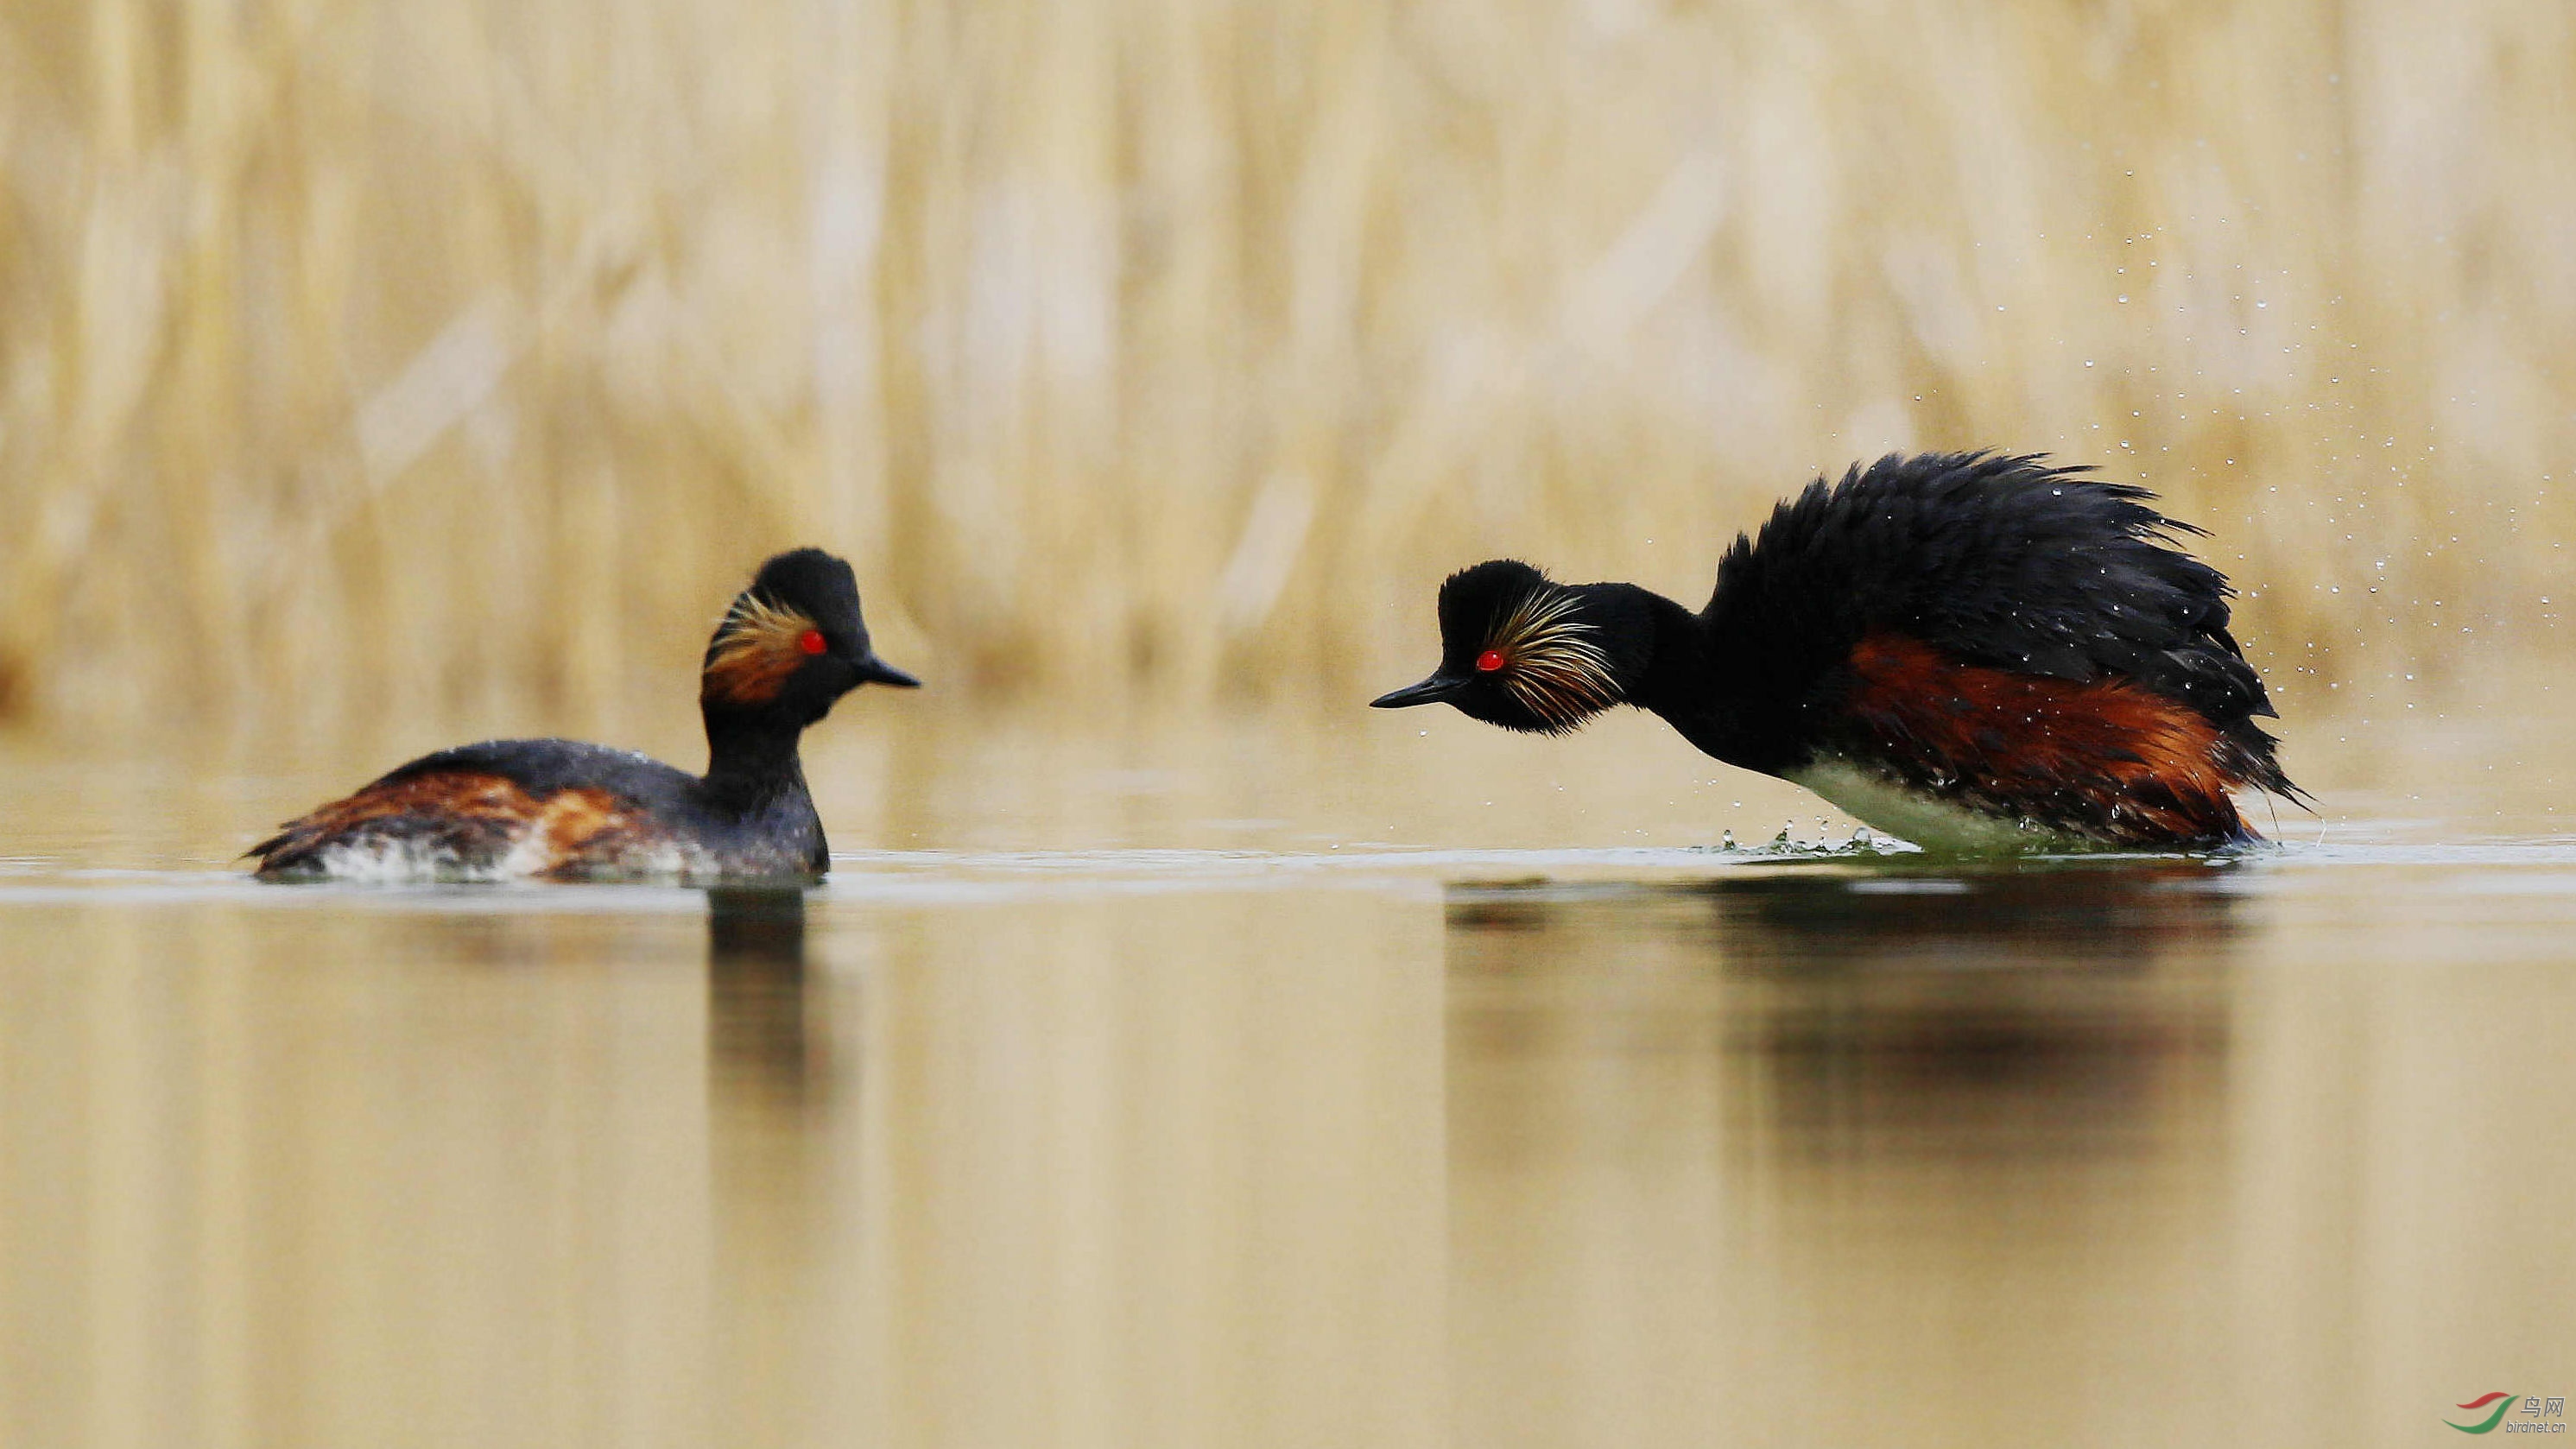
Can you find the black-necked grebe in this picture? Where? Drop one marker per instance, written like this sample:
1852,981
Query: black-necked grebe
790,646
1967,650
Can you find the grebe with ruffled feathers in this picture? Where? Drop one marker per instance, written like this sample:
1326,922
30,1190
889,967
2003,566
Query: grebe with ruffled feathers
1968,650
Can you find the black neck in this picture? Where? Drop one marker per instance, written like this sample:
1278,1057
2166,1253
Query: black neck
1676,680
751,760
1699,684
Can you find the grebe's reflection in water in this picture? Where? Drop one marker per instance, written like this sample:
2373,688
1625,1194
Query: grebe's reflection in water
771,1128
762,1040
2030,1010
1814,1130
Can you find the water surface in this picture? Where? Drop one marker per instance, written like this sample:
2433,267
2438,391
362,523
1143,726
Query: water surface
1273,1083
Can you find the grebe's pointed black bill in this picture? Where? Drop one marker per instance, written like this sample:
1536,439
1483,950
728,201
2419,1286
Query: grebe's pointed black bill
873,670
1430,691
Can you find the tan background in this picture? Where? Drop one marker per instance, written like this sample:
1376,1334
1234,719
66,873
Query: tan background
454,362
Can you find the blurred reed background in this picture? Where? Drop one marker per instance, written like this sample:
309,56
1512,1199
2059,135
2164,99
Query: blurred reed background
459,359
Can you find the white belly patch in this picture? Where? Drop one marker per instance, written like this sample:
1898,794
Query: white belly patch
1883,803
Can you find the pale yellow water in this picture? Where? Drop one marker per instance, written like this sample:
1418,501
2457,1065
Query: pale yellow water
1368,1081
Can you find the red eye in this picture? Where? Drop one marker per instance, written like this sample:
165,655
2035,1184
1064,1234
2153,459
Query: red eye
1489,661
811,641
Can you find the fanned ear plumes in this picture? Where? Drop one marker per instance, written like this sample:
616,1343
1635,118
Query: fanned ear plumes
758,644
1550,660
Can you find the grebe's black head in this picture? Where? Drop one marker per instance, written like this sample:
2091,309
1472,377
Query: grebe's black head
1522,651
792,644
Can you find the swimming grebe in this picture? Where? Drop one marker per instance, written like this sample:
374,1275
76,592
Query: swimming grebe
1967,650
789,647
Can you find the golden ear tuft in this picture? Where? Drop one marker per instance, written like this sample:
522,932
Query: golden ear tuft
758,645
1550,662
